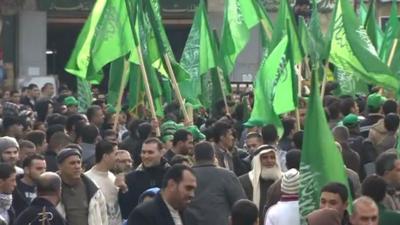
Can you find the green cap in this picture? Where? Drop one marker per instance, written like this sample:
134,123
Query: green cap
197,135
70,100
167,138
111,109
168,128
375,100
350,119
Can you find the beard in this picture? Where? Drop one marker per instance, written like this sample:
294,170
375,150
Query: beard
273,173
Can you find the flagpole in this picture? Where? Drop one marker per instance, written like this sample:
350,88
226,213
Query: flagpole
221,80
265,28
392,51
121,92
147,88
324,81
299,79
176,89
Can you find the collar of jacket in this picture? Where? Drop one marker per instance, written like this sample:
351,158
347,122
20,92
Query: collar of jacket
163,165
203,164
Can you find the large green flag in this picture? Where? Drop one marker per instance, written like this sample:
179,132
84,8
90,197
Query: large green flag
239,17
106,36
351,49
199,55
321,161
275,85
391,33
374,32
363,12
118,79
304,36
317,42
284,24
84,94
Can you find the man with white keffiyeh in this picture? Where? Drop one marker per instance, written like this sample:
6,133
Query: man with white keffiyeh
265,171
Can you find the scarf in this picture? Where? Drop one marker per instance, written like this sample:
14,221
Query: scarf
5,201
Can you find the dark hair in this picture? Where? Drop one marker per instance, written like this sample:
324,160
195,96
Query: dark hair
133,126
374,187
389,106
391,122
6,170
45,86
14,92
204,151
26,144
89,133
293,159
298,139
180,135
269,134
333,110
31,86
56,118
37,124
10,121
209,133
346,104
48,186
244,212
154,140
144,130
103,147
337,188
175,173
37,137
28,160
52,130
73,120
289,124
109,132
220,129
59,139
179,159
385,162
91,111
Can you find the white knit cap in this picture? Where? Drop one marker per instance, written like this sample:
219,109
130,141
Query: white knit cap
290,182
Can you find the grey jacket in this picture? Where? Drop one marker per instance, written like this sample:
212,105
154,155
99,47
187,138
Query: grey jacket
217,190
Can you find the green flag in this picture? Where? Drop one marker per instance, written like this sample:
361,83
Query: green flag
317,42
106,36
199,55
84,94
116,81
152,9
391,33
363,12
351,49
282,28
304,36
136,89
273,89
375,34
321,161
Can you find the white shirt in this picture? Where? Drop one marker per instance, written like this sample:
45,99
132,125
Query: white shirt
283,213
174,213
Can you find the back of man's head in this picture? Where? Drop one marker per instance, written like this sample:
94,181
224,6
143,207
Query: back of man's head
391,122
374,187
269,134
38,137
390,106
385,163
59,140
49,183
293,159
244,212
180,135
89,133
204,152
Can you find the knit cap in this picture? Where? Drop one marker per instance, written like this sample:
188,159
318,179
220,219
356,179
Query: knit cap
8,142
290,182
67,152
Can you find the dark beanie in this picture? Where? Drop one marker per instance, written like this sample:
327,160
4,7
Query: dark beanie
67,152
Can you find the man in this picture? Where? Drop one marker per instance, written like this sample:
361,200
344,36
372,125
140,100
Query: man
82,202
25,192
266,170
89,134
49,195
217,188
289,128
38,137
57,142
252,142
375,188
101,175
72,105
47,91
26,148
270,137
365,212
244,212
177,191
334,196
9,152
7,186
374,104
149,174
383,134
124,162
12,127
95,116
350,157
15,97
286,211
182,144
388,167
32,95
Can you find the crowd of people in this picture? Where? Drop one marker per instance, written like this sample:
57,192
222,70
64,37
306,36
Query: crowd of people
61,166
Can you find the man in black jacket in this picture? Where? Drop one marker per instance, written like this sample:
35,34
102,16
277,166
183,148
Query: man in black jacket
148,175
178,188
43,207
